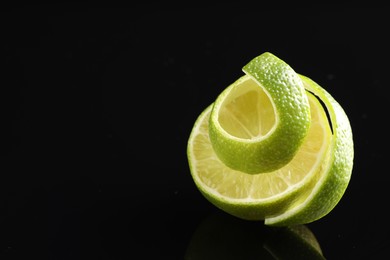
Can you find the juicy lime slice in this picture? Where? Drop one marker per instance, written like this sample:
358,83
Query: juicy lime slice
259,122
257,196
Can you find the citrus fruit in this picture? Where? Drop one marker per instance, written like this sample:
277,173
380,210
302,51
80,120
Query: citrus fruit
259,122
299,190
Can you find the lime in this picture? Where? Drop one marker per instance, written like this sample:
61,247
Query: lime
298,191
259,122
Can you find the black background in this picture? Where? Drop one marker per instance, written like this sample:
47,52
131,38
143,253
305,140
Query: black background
98,104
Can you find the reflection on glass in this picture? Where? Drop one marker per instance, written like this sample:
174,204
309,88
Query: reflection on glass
221,236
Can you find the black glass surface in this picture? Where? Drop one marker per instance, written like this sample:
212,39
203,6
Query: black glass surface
98,104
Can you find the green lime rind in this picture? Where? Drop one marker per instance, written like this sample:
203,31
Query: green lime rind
292,111
337,168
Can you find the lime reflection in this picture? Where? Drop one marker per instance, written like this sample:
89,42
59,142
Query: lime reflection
222,236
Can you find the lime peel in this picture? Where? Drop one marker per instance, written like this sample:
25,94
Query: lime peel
337,167
292,119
